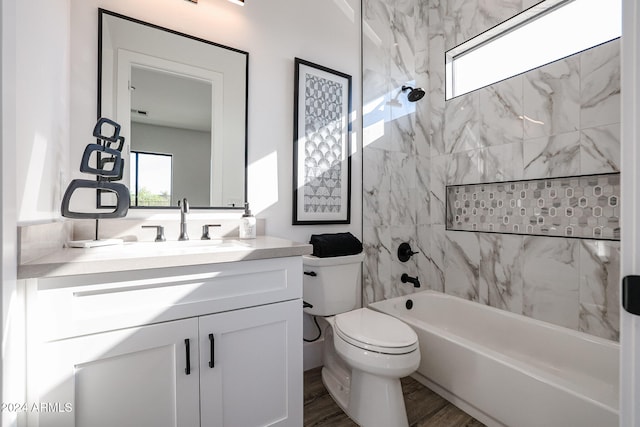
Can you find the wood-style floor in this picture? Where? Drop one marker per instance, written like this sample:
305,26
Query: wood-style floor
424,407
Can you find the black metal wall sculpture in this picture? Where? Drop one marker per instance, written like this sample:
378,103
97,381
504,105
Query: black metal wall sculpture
110,150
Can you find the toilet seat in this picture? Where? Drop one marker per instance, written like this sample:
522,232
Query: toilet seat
374,331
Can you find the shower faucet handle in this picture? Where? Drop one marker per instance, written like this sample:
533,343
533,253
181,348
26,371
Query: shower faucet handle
405,252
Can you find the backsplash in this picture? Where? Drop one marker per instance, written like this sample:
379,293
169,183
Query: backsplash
38,240
559,120
582,206
130,229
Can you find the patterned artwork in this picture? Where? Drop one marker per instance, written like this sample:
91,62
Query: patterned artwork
582,206
322,168
323,144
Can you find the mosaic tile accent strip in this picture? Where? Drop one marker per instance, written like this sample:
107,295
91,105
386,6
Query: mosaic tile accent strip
582,207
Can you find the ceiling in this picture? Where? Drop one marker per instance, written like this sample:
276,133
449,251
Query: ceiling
170,99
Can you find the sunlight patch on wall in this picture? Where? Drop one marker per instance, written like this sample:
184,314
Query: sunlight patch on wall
263,175
33,181
346,9
373,121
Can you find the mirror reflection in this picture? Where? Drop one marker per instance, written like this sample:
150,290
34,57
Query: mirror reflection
185,138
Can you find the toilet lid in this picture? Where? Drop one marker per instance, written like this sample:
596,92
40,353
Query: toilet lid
375,331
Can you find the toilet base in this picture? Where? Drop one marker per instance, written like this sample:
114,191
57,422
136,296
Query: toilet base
376,401
366,385
369,400
339,391
336,375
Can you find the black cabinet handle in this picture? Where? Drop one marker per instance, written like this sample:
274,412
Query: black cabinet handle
187,370
212,343
311,273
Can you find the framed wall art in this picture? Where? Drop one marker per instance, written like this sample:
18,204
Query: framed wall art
321,146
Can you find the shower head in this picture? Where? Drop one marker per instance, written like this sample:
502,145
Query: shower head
415,94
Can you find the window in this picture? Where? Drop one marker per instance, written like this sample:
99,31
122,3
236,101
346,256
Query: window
546,32
150,179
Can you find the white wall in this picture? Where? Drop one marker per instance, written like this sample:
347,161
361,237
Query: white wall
42,107
11,368
191,152
274,33
35,146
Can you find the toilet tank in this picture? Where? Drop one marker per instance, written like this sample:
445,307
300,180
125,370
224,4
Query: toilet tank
331,285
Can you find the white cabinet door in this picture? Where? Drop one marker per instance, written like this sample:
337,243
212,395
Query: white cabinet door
128,378
255,378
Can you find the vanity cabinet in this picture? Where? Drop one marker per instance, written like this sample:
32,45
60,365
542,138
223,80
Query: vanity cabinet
217,345
249,381
131,377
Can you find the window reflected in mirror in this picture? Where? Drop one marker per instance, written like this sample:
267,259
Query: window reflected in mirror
151,176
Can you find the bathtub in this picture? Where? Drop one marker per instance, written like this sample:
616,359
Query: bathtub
510,370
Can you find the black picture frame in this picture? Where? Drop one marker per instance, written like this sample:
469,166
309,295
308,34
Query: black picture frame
321,145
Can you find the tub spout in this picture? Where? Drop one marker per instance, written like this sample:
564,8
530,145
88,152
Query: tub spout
405,278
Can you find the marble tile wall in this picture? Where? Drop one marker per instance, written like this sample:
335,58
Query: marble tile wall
561,119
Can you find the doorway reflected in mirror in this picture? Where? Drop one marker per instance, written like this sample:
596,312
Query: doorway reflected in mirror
178,96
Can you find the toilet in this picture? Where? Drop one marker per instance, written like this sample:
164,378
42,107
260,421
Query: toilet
365,352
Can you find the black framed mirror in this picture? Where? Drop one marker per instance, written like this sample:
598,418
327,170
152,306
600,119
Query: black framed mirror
182,102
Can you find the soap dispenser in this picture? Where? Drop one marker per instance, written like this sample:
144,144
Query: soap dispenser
247,224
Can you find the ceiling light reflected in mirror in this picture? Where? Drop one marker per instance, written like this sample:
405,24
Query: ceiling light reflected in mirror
238,2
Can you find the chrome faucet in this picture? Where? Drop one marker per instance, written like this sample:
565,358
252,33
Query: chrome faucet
184,210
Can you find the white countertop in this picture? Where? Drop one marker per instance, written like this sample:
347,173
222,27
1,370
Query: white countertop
146,255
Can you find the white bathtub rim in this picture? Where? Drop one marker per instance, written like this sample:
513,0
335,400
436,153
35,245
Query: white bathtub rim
538,373
520,317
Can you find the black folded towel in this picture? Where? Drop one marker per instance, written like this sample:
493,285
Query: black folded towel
336,244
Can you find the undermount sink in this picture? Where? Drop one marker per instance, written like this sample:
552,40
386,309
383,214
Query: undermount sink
132,250
178,245
186,243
